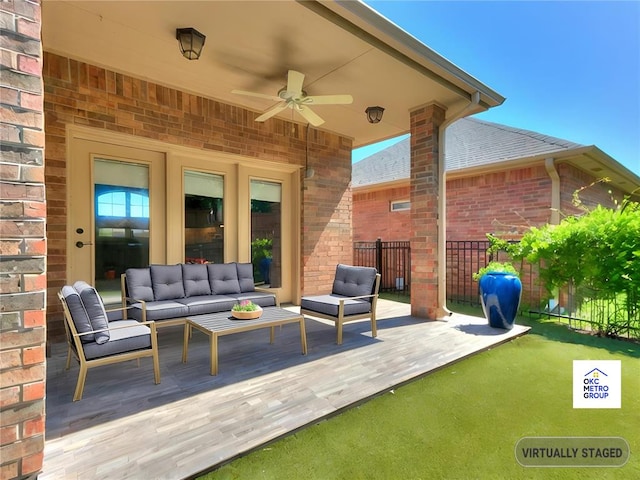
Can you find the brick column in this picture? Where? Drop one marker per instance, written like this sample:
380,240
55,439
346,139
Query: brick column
425,123
22,242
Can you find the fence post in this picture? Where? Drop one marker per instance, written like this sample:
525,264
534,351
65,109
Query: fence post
379,255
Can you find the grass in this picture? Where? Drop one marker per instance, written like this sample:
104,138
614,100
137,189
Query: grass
462,422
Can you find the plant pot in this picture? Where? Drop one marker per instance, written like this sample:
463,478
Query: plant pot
500,297
240,315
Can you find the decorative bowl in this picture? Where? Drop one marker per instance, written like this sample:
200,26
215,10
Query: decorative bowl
241,315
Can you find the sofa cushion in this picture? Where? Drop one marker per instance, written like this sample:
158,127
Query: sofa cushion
196,279
223,278
259,298
95,310
139,286
245,277
330,304
353,281
208,304
78,313
134,337
167,282
159,310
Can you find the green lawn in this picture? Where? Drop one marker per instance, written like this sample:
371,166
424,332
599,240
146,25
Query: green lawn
463,421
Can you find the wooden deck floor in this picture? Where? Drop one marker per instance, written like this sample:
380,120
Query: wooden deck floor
126,427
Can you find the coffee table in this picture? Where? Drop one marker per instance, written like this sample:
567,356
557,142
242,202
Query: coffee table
218,324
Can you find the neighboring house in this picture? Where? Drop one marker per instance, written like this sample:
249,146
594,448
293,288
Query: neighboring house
499,179
118,151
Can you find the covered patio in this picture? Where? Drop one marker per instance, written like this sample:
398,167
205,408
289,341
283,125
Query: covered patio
127,427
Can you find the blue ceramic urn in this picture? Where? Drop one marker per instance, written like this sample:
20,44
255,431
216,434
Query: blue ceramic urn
500,296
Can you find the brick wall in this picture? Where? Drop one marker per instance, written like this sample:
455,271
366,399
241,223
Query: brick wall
373,219
424,181
22,243
82,94
327,209
505,203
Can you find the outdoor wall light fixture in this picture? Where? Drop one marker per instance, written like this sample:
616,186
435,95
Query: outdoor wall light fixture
191,42
374,114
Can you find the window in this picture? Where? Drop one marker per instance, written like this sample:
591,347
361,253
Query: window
400,205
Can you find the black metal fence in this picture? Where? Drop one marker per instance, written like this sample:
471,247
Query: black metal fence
579,308
391,259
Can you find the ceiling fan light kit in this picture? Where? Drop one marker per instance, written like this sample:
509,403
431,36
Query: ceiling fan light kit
191,42
294,97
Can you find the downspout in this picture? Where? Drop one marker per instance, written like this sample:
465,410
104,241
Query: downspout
549,164
442,203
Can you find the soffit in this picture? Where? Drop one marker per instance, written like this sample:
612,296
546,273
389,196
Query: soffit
251,46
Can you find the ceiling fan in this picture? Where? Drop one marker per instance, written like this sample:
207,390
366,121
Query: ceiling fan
294,97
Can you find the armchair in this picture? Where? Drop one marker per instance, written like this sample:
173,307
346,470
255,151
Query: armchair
353,297
97,337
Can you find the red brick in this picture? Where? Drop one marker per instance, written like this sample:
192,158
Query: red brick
32,463
9,470
28,28
34,318
31,101
33,355
33,138
29,65
9,96
32,174
8,434
34,426
9,396
33,391
10,358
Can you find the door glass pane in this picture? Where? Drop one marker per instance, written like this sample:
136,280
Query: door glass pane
121,211
204,227
266,236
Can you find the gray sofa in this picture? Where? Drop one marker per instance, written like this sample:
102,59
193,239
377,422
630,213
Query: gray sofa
168,294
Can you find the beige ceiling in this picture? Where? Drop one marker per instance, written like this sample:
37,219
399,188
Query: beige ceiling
341,47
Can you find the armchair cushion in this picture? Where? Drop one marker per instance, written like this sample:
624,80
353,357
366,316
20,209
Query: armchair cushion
95,310
134,337
167,282
78,313
139,286
330,304
353,281
196,279
223,278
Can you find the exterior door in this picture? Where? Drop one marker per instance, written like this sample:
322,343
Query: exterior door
115,212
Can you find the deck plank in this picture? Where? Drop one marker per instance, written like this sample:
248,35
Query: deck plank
127,427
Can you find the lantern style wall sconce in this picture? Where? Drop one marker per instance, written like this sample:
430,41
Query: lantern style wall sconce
191,42
374,114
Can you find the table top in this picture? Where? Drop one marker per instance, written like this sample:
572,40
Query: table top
223,321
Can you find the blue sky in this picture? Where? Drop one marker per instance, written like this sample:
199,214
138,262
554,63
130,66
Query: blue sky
568,69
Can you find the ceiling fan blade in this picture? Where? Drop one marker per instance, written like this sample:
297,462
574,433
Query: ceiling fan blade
311,117
328,100
276,109
294,82
273,98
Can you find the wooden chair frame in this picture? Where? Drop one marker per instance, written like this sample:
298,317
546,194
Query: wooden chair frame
76,348
341,319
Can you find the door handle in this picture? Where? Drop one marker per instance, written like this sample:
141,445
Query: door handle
81,244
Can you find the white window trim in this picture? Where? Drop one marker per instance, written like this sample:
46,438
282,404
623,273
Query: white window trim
399,206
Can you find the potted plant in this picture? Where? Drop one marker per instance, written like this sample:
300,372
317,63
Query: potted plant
500,291
246,310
